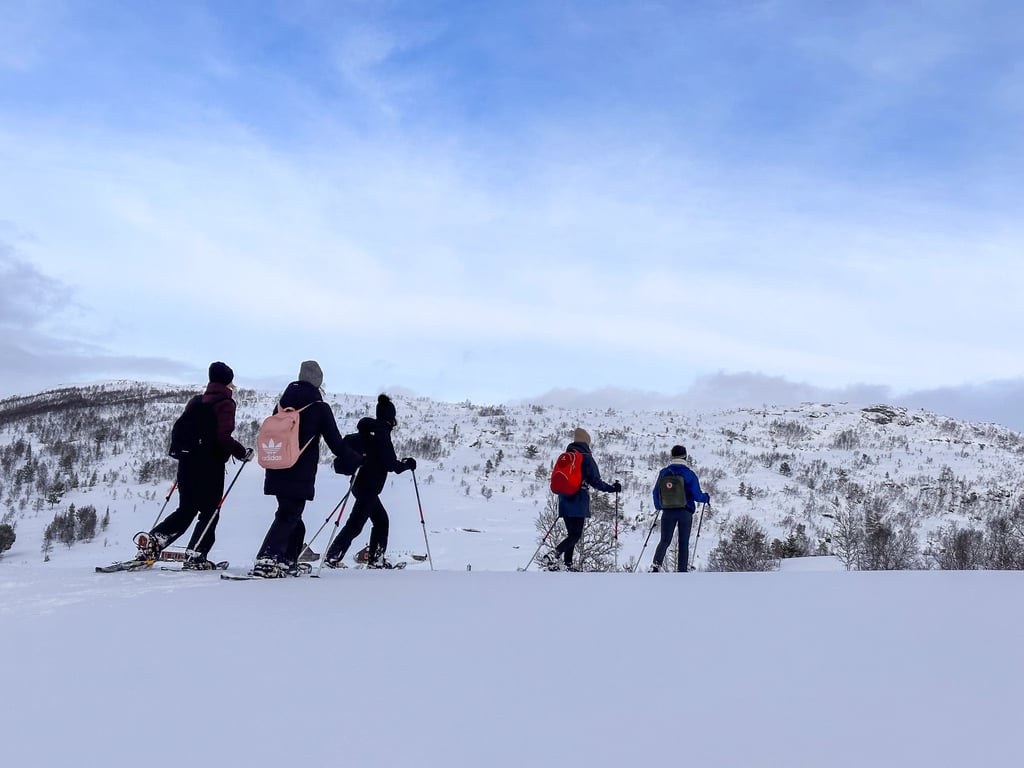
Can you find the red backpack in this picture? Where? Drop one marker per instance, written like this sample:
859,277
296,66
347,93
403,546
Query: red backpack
567,476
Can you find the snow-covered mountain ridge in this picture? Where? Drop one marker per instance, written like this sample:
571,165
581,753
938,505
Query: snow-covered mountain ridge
484,468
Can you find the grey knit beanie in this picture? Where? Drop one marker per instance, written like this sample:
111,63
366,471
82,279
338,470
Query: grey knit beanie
310,371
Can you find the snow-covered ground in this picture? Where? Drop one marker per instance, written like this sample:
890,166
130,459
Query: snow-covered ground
484,668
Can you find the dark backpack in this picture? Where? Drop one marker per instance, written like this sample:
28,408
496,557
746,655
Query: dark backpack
194,434
672,491
352,456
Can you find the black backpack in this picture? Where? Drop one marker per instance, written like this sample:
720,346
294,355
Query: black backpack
352,455
194,433
672,491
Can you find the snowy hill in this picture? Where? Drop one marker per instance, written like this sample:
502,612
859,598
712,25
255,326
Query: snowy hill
806,666
805,476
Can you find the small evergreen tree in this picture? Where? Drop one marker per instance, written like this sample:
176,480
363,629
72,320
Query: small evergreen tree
744,547
85,523
7,537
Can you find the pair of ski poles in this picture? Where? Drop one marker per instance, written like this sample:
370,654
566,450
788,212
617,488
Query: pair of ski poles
693,557
552,527
216,512
340,510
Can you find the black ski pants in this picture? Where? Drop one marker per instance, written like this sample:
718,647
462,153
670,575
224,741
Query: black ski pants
287,533
670,520
364,509
200,490
574,532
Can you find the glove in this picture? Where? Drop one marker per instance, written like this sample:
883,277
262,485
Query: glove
410,463
247,454
617,487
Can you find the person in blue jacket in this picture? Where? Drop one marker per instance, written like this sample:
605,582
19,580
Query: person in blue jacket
676,493
575,509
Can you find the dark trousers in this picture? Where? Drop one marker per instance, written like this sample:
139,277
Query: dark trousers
283,541
364,509
574,532
199,494
670,520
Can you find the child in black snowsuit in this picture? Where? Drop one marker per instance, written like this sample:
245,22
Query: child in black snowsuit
379,459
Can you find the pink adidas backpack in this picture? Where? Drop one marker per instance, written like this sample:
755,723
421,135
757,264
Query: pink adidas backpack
278,440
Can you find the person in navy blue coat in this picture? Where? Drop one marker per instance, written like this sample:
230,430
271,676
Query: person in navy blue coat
295,485
680,513
575,509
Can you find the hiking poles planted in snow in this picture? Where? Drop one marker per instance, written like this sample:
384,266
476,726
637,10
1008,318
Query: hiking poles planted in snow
653,523
700,522
161,513
546,534
422,521
330,514
216,512
340,508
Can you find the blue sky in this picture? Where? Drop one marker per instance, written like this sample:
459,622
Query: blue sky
497,200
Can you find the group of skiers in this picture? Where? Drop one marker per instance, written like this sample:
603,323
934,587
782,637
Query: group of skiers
210,419
676,494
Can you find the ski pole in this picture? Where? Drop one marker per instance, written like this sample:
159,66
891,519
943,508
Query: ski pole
216,512
337,521
653,523
330,515
696,541
616,530
546,534
422,521
161,513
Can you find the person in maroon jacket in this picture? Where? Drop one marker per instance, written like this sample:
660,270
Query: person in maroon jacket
201,472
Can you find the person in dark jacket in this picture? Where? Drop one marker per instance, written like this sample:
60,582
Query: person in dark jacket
680,482
294,486
379,459
201,474
575,509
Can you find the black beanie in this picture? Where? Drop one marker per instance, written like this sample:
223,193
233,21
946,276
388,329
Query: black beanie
220,373
678,452
386,410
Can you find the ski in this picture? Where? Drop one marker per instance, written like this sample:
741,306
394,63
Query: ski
126,565
304,569
394,566
363,555
220,566
137,564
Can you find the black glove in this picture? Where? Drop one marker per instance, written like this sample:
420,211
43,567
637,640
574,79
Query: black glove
409,463
247,454
617,487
